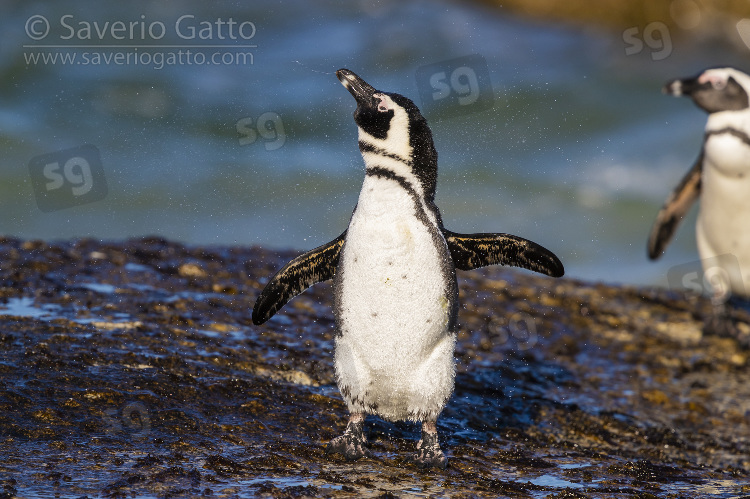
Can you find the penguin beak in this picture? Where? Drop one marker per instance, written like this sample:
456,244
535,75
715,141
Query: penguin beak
681,87
359,88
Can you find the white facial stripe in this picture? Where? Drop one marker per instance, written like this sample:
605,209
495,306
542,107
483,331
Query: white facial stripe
397,140
385,104
718,81
723,74
394,153
396,150
739,120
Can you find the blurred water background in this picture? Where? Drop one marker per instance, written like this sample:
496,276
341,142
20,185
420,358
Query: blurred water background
577,151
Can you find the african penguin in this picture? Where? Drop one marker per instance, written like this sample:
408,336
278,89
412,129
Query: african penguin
394,278
721,178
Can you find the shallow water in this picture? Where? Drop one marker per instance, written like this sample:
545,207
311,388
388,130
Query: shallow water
577,151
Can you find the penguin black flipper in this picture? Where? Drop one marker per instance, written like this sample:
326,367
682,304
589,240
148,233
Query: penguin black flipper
675,207
315,266
471,251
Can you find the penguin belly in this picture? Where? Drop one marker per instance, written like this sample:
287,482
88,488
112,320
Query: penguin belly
395,302
723,225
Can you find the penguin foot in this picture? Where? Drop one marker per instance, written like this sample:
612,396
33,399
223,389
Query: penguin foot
720,322
429,453
352,444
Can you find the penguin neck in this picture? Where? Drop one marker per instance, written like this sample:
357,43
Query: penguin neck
415,163
738,120
424,157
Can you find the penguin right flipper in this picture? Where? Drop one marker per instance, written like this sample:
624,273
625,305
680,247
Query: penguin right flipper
675,207
315,266
471,251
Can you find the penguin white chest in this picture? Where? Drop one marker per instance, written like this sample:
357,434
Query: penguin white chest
395,300
722,226
394,282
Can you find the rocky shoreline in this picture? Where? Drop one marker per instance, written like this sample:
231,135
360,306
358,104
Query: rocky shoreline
132,368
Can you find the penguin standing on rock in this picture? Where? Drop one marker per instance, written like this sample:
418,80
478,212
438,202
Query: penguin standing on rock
721,178
394,272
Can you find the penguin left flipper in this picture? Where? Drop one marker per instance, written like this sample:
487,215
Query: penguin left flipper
315,266
675,207
471,251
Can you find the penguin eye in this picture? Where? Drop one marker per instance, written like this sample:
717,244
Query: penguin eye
384,105
719,83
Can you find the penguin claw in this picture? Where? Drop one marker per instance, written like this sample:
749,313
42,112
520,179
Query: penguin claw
429,454
347,447
351,445
424,462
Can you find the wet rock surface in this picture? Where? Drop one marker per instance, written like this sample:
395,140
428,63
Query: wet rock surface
132,368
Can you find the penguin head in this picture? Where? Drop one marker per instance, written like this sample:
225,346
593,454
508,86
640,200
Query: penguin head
385,115
392,123
714,90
